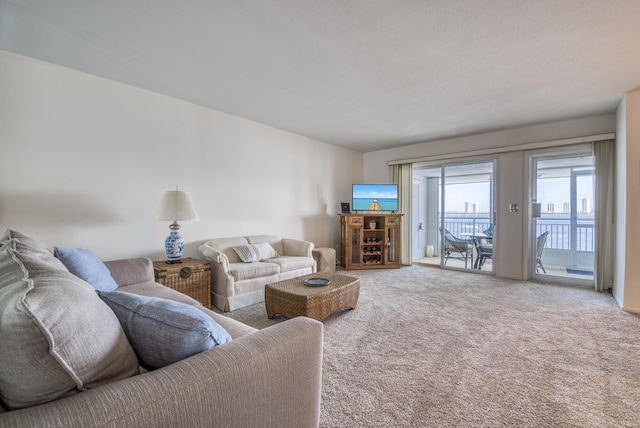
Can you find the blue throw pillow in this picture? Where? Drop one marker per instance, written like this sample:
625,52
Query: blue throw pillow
164,331
85,265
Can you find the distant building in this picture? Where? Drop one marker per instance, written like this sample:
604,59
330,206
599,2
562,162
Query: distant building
567,208
586,206
551,208
471,208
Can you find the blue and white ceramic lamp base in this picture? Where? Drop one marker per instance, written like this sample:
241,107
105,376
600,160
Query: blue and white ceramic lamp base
174,244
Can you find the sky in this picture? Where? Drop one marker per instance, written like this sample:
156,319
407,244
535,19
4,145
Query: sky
550,190
556,191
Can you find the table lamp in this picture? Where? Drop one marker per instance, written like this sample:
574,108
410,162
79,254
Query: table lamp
175,205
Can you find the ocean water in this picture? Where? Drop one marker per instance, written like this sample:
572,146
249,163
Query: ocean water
363,204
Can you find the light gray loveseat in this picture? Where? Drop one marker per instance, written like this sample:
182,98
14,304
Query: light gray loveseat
236,284
261,378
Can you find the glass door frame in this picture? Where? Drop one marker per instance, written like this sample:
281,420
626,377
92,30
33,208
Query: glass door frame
534,157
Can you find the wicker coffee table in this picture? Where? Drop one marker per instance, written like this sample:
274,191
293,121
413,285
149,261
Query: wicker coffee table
292,298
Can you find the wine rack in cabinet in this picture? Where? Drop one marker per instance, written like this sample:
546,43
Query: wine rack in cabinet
370,241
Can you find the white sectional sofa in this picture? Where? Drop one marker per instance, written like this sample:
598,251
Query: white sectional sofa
236,284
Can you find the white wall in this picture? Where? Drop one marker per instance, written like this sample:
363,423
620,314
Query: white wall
510,260
511,176
84,162
627,269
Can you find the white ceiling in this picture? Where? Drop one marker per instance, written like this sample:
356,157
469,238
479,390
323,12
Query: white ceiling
363,74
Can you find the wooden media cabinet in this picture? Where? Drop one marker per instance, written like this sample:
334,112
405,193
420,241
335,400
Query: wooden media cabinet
370,241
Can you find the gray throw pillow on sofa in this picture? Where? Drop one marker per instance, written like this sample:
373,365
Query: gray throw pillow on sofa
33,244
58,337
164,331
85,265
250,253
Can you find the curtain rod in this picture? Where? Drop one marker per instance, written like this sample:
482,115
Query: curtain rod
506,149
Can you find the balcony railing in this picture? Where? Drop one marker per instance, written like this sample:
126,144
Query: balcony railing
459,225
560,234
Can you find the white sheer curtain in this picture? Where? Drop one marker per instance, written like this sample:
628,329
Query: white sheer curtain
604,152
401,175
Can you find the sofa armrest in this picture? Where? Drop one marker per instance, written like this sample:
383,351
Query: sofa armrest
131,271
215,256
271,378
296,247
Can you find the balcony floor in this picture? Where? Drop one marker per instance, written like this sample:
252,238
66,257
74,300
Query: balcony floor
455,263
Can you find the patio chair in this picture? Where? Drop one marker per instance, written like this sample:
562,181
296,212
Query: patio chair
484,251
454,246
489,232
540,241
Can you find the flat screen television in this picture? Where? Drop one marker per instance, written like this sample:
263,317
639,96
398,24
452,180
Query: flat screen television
374,197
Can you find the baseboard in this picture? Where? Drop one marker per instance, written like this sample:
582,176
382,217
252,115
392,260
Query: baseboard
632,310
516,277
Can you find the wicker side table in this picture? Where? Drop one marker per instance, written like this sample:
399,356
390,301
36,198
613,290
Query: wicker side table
292,298
191,277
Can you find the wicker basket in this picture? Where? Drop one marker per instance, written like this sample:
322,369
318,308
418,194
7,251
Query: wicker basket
191,277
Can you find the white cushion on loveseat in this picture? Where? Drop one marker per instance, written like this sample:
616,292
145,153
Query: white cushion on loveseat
243,271
291,263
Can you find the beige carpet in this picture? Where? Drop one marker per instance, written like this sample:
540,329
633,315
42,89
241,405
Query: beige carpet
433,348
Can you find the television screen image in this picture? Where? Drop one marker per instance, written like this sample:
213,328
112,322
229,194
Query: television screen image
375,197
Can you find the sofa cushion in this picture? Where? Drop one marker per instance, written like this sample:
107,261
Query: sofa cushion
58,337
273,240
225,246
35,249
289,263
85,265
242,271
32,244
164,331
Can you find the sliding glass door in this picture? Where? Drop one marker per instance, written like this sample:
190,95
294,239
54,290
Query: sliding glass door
458,214
563,219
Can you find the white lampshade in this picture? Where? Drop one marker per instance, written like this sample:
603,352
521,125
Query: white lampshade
176,205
